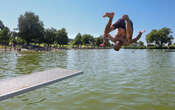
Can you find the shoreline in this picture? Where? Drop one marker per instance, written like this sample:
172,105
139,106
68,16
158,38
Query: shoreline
57,49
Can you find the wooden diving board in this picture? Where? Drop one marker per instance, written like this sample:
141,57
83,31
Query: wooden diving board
18,85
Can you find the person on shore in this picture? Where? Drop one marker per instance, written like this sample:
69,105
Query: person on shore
123,35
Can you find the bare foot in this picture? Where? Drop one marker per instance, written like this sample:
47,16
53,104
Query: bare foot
142,31
109,15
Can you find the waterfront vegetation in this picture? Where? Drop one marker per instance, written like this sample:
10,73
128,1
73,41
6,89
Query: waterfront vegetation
31,34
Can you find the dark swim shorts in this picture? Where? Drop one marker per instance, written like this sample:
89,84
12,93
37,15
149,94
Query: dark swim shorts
121,24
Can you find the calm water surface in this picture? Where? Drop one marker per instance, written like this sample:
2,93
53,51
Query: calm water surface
124,80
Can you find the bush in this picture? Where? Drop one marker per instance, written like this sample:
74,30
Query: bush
155,47
172,47
134,47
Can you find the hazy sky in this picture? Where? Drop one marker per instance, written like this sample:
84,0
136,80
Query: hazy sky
85,16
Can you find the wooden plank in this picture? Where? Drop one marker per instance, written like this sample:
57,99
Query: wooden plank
18,85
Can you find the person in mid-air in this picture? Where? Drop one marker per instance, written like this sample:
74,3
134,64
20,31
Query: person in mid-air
123,35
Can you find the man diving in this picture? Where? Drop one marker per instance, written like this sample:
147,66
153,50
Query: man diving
123,35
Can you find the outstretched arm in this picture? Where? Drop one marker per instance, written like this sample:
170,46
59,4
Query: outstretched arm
137,38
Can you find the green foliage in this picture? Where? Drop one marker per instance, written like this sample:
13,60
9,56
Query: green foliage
1,25
140,43
155,47
160,37
19,40
5,35
137,45
49,36
172,46
31,30
15,39
87,39
30,27
77,40
98,40
62,37
134,47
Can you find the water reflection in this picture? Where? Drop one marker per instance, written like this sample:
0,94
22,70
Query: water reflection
28,62
7,64
139,80
54,59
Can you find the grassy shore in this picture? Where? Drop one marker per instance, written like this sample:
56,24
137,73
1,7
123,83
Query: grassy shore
149,47
41,47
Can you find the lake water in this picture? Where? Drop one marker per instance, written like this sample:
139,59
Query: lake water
124,80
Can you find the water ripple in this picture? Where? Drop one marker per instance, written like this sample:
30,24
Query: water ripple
124,80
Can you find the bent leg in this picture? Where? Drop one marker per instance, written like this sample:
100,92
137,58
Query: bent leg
108,27
129,29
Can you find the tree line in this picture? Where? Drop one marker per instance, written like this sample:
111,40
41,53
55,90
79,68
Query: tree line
160,38
31,29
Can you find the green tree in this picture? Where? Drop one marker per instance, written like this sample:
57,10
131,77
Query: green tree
77,40
30,27
1,25
19,40
87,39
5,36
108,44
49,36
13,37
98,41
141,43
160,37
16,40
62,37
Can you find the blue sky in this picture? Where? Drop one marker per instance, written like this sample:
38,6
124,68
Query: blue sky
85,16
